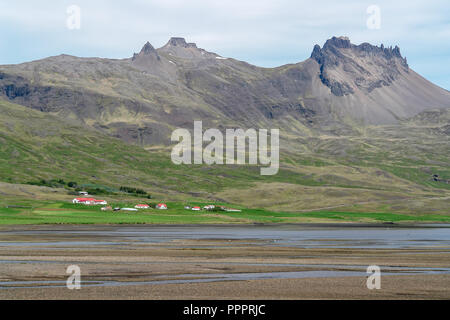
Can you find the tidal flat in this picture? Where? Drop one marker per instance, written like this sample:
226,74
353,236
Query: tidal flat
225,262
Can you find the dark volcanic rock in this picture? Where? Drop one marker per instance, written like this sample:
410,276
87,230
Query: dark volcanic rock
340,57
337,42
146,51
180,42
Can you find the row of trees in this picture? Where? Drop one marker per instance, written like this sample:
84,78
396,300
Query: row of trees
132,190
60,183
53,183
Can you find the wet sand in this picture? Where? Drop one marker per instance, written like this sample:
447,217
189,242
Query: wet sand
393,287
294,262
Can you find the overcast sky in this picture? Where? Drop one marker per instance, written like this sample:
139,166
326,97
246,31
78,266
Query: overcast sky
262,32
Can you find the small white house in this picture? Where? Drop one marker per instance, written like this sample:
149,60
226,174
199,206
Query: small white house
142,206
232,210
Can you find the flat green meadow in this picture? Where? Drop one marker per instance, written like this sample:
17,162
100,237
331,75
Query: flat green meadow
60,212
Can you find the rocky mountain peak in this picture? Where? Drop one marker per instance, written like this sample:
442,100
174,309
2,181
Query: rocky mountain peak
338,42
180,42
178,47
148,49
364,66
333,46
147,53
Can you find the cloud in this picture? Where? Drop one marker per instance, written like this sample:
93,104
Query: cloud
262,32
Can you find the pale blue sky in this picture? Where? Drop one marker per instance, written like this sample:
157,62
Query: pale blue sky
262,32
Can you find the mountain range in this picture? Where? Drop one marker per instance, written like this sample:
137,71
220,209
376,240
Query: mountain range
143,98
352,118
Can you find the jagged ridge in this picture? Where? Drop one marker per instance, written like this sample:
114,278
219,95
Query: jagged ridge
340,52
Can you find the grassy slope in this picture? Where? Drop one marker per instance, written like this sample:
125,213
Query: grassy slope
386,170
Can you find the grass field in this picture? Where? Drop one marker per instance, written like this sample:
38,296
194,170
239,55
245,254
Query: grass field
61,212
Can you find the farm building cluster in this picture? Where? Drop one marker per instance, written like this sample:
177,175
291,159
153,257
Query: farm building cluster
211,207
160,206
92,201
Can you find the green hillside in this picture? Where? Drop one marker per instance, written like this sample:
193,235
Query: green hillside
383,168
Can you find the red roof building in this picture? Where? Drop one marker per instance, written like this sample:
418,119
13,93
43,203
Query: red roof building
88,201
161,206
